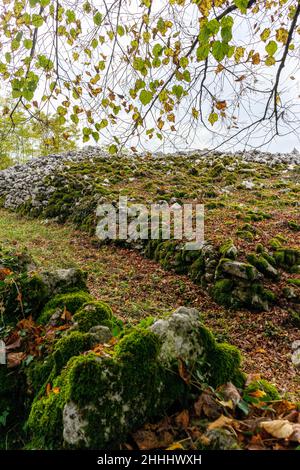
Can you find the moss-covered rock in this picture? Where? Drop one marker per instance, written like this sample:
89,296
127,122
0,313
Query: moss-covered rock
71,301
95,313
288,259
228,249
263,265
96,400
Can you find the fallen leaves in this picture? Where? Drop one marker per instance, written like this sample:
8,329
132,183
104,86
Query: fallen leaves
14,359
4,272
282,429
276,427
221,422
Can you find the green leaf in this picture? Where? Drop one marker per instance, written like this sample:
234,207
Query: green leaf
37,20
219,50
265,34
184,62
15,44
3,67
8,57
44,62
202,52
242,5
227,22
226,34
74,118
71,17
97,18
145,97
86,131
27,94
103,123
271,48
113,149
27,43
157,50
213,26
95,136
94,43
120,30
44,3
186,76
178,91
213,117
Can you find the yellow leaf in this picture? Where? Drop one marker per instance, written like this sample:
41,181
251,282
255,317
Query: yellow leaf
56,390
265,34
195,113
282,35
175,446
280,428
257,394
221,422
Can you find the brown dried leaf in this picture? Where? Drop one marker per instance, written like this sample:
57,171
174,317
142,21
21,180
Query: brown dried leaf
221,422
230,393
147,439
280,428
207,404
182,420
15,359
183,372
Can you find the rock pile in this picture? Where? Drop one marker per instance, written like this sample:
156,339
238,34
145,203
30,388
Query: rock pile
32,181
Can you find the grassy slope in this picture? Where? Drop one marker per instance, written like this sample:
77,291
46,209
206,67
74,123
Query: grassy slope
136,287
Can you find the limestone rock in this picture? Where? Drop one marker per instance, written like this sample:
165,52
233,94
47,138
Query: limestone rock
101,334
62,280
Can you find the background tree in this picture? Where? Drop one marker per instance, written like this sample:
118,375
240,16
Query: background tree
163,69
32,137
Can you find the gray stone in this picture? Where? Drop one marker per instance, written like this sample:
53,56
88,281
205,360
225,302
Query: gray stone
240,270
64,279
296,358
179,336
296,344
101,334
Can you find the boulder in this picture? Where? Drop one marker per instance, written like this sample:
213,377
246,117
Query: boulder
104,397
237,269
62,280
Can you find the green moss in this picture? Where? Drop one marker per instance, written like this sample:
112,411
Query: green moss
287,258
45,422
222,290
25,294
95,313
38,373
134,375
270,391
294,318
228,250
72,301
225,363
140,345
216,170
260,262
293,225
294,282
197,269
245,235
72,344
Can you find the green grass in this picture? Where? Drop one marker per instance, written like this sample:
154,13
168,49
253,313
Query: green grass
49,243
